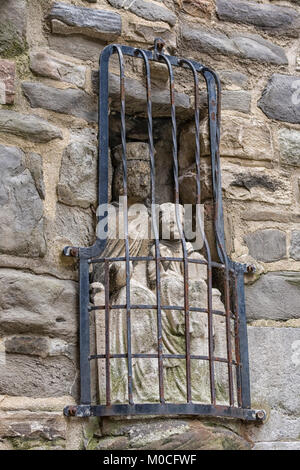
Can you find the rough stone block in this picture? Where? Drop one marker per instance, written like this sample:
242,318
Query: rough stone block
21,207
37,304
274,368
248,46
77,46
78,175
36,377
242,137
12,27
281,97
7,81
253,184
70,101
67,221
207,41
295,245
254,47
292,445
233,79
34,345
289,141
274,296
47,65
170,434
272,18
148,10
71,19
267,245
30,425
28,126
236,101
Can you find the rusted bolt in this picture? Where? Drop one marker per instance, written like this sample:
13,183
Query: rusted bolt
251,268
260,415
72,410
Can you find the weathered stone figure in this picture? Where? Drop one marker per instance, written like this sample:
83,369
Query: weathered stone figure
144,322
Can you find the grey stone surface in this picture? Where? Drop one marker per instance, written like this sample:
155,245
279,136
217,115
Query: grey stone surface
23,424
136,94
35,345
231,78
21,207
35,377
36,304
46,65
279,426
274,296
236,101
254,184
168,434
289,141
78,175
28,126
267,245
280,98
102,24
248,46
12,27
70,101
292,445
67,221
274,368
295,245
272,18
77,46
35,166
254,47
148,10
207,41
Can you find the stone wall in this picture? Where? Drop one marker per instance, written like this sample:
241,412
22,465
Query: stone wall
48,93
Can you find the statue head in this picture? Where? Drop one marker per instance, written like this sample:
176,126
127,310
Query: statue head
169,221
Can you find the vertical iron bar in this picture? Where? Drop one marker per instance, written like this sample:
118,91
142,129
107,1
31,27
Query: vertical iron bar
84,326
243,338
206,244
107,336
236,337
155,227
214,109
183,242
125,209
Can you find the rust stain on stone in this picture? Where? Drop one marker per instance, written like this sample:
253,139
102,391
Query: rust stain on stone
7,81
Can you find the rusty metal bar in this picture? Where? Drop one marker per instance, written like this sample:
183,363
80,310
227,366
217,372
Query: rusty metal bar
164,356
125,209
162,57
107,335
154,226
236,337
166,409
189,64
84,325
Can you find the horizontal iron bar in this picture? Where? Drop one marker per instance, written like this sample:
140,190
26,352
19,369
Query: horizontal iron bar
164,356
161,258
164,409
154,307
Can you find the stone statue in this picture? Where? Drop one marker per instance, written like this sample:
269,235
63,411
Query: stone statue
144,321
